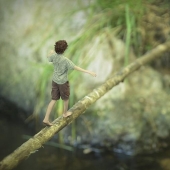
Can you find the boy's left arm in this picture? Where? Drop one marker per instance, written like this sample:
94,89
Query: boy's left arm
85,71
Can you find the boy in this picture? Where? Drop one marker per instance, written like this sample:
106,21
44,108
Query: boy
60,84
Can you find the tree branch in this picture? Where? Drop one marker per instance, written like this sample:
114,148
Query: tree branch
36,142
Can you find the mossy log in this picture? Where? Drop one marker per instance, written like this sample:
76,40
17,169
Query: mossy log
37,141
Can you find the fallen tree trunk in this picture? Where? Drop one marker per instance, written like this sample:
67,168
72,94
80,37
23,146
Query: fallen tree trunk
36,142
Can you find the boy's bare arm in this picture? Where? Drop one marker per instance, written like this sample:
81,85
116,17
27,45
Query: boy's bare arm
85,71
50,53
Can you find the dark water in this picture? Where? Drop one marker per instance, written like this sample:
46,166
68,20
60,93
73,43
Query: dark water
12,130
49,157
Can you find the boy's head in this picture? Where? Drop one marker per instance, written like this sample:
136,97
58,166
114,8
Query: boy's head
60,46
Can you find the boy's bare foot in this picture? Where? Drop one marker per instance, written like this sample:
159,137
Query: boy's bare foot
67,114
47,123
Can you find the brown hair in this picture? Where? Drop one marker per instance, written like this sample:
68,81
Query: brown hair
60,46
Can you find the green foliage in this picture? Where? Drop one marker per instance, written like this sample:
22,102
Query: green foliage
106,18
119,18
124,19
42,86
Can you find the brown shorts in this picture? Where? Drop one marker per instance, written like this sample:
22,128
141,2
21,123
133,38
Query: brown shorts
60,90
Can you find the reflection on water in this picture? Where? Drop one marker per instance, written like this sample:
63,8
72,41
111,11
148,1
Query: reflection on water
50,158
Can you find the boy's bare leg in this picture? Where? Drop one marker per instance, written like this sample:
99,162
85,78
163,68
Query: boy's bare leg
47,115
65,112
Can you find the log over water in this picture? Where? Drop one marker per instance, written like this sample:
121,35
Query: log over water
37,141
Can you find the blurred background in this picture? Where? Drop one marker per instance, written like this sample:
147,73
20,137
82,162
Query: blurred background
128,128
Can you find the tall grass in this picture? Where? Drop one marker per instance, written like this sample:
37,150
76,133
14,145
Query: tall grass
104,19
119,18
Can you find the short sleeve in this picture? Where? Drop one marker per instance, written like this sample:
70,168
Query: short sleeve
70,64
50,58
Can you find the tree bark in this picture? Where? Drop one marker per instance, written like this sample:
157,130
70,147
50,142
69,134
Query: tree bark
37,141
